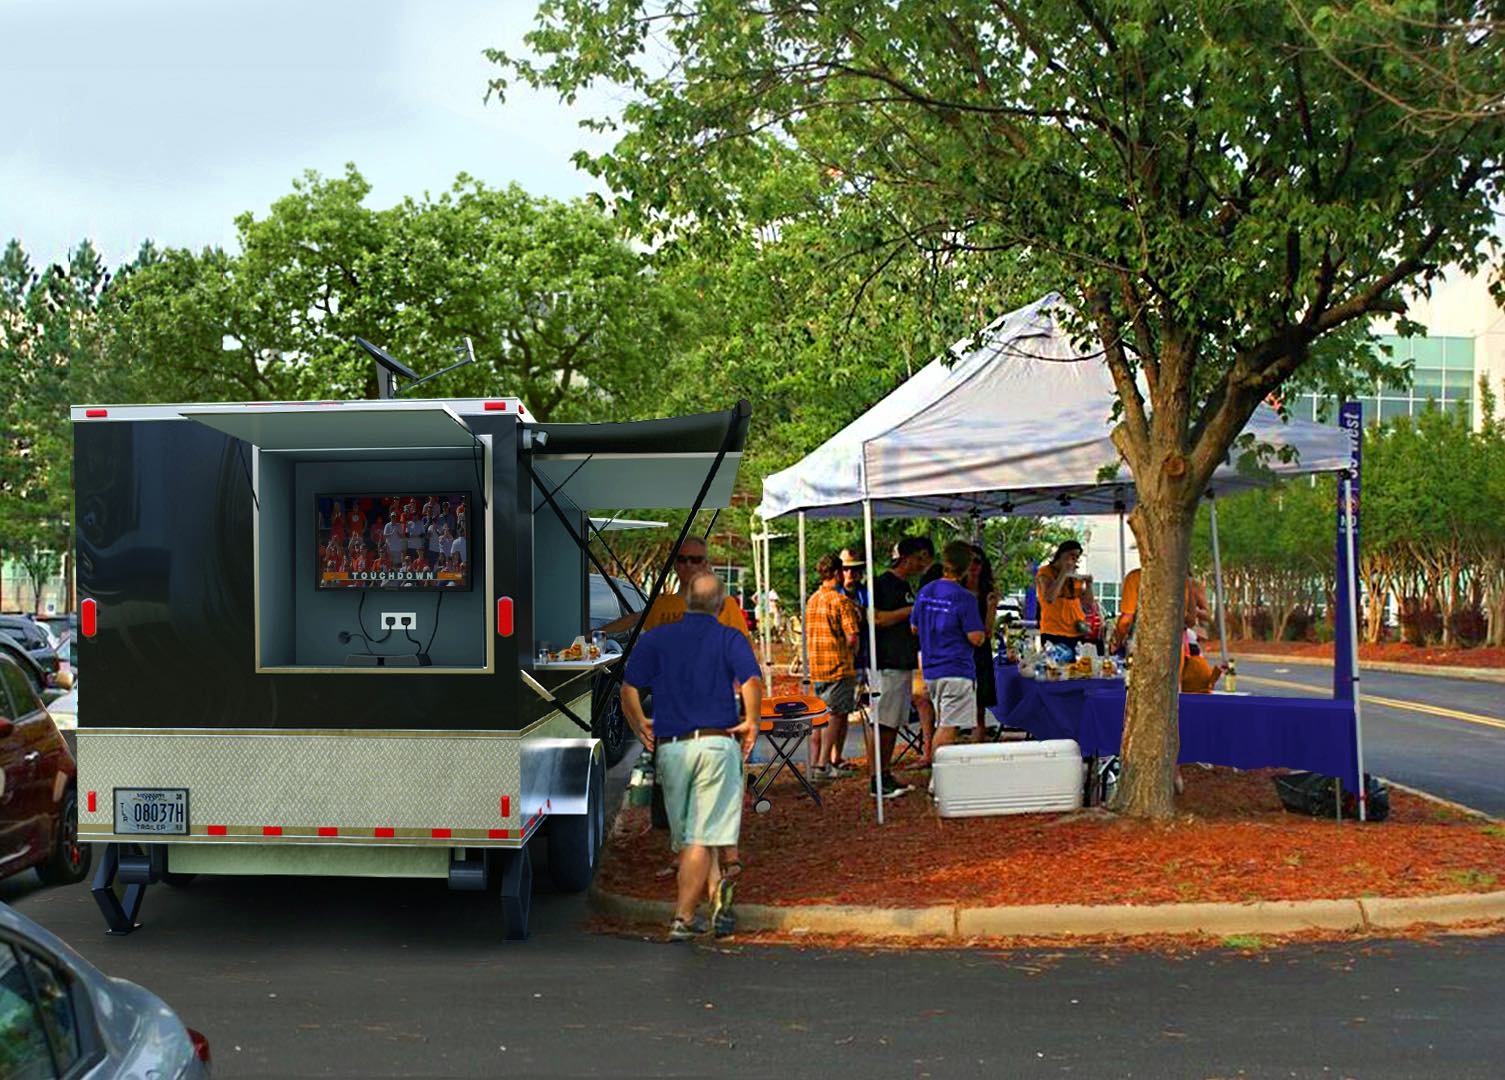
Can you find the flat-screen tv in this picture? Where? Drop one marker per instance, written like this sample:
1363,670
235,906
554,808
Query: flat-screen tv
403,540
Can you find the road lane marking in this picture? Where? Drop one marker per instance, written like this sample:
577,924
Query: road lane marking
1393,703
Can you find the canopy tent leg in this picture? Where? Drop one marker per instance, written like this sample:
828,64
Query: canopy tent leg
766,623
757,561
804,599
1217,575
1352,628
872,661
1123,560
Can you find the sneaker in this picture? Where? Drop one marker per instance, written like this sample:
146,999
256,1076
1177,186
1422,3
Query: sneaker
685,929
893,787
819,774
840,772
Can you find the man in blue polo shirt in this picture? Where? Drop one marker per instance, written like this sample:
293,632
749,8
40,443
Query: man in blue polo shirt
695,668
949,626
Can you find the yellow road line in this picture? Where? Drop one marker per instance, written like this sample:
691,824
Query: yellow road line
1389,702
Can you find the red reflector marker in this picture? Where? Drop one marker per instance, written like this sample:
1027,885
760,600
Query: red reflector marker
215,830
271,830
521,409
200,1045
88,617
496,834
386,834
506,806
439,834
504,616
325,830
95,414
495,406
93,802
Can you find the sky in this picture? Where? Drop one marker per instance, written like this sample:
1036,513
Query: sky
164,119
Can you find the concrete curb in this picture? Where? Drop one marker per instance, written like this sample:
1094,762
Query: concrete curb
1074,920
1467,674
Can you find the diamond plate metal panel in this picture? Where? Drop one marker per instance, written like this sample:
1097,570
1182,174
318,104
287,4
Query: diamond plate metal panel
355,783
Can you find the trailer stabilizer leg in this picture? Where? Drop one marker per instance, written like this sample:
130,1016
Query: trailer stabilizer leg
119,918
517,892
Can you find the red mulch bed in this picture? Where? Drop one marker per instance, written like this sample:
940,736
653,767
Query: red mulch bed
1232,842
1394,652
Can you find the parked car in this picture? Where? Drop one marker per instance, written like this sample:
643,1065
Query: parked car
34,639
34,672
611,724
60,1016
38,788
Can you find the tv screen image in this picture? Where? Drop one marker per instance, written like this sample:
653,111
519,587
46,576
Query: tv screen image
395,541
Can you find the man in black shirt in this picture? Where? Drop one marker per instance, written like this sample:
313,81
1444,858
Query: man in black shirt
898,651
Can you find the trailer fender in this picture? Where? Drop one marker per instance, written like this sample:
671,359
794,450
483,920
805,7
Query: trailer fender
556,774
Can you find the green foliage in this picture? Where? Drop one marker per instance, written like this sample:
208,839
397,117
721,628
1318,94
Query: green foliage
1432,531
561,311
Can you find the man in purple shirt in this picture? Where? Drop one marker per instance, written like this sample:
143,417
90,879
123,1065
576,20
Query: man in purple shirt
698,669
946,618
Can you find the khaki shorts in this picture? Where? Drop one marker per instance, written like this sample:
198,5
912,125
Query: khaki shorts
955,701
895,697
702,781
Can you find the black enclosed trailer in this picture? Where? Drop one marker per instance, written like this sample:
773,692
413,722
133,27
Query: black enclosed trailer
255,704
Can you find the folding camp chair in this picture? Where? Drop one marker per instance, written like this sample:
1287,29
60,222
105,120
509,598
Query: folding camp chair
910,737
786,733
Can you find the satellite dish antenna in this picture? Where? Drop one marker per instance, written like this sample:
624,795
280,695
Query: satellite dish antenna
388,367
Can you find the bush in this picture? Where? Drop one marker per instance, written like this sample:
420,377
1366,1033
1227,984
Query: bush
1420,621
1261,624
1470,626
1301,626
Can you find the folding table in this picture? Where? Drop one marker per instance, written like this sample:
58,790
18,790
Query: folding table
786,733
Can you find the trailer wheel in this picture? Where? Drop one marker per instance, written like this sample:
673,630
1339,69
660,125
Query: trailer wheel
575,839
611,727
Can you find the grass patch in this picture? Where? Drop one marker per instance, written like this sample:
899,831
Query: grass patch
1472,879
1293,859
1497,831
1246,942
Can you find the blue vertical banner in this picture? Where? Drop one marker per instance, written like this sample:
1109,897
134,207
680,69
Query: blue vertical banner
1351,420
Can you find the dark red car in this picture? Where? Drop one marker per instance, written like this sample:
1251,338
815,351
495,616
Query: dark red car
38,787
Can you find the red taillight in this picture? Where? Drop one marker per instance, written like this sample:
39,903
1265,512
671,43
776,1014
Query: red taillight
93,802
200,1045
495,406
95,414
88,617
504,616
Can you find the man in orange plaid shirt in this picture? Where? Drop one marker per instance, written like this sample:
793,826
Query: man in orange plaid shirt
832,626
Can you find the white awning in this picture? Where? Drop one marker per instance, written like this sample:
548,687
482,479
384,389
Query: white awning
1020,424
339,425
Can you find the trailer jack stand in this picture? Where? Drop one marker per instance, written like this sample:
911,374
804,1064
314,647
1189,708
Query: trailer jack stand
136,869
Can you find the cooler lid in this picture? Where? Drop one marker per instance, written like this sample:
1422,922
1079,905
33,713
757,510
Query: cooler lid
337,425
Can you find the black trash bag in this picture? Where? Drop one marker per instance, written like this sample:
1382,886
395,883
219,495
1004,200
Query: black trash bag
1313,794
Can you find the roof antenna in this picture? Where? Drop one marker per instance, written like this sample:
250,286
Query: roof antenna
388,367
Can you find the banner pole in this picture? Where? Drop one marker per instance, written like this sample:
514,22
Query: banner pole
1353,636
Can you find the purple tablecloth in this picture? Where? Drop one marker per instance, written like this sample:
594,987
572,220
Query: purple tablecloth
1221,729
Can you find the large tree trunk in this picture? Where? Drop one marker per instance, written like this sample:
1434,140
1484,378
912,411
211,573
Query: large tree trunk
1152,734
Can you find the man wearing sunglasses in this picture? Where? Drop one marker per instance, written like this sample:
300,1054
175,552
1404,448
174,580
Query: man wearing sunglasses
689,563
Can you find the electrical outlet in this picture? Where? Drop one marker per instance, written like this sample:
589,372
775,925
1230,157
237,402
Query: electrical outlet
399,620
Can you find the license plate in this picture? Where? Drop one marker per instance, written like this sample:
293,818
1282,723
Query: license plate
151,811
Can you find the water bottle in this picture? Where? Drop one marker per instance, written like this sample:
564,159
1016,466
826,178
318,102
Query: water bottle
1230,681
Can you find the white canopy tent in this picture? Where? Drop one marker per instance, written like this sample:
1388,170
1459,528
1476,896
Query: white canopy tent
1014,421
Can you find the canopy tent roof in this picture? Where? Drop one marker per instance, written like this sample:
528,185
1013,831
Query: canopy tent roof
1016,425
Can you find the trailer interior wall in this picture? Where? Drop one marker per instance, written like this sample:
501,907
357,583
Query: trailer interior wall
299,625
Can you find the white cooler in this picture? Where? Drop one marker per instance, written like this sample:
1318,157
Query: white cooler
1008,778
